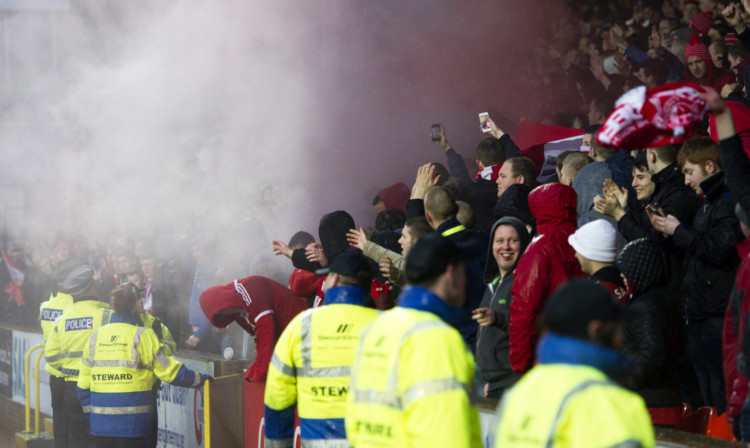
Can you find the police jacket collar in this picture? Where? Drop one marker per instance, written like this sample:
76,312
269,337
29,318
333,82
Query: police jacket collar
422,299
125,318
347,295
448,225
558,349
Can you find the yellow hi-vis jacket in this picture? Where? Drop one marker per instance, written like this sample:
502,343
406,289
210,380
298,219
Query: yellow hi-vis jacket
70,335
49,311
565,405
412,380
162,332
117,377
311,367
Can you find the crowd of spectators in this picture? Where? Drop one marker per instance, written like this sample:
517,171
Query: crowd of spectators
662,229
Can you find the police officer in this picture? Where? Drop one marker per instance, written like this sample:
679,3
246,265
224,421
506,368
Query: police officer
67,340
311,364
49,311
117,376
570,399
413,374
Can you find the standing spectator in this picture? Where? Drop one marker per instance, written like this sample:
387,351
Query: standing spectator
203,338
509,240
548,262
700,67
710,263
396,196
595,244
579,360
619,162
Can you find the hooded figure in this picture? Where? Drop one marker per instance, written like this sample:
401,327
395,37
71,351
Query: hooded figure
715,78
396,196
548,262
261,306
515,202
650,340
493,342
332,235
588,184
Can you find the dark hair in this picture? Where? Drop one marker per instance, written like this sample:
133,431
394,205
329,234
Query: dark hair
376,200
657,69
123,298
562,156
418,227
667,153
390,219
640,162
738,51
603,104
301,238
523,166
490,152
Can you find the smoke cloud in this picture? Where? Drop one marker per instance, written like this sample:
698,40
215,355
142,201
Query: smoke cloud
190,116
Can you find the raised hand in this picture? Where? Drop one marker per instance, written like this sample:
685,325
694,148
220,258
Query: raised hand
280,248
357,238
314,253
426,179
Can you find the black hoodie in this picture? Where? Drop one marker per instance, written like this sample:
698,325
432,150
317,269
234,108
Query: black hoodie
493,343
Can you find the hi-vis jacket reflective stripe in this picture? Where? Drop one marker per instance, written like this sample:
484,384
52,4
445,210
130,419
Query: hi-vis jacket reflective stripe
411,385
117,377
568,405
70,334
49,311
311,368
162,332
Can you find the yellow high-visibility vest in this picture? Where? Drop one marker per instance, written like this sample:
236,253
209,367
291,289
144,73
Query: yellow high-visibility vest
412,385
49,311
568,405
70,335
311,368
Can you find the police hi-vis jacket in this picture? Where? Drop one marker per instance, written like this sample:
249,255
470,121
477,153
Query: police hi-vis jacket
64,347
567,400
49,311
117,377
412,379
310,368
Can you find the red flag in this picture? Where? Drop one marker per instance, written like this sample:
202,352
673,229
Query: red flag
13,288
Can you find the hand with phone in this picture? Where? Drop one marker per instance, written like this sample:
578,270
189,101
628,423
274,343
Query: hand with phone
484,122
665,224
437,134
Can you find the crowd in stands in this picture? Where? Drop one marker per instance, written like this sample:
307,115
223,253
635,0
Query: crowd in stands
663,229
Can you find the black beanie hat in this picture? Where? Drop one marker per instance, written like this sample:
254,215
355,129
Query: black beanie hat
643,264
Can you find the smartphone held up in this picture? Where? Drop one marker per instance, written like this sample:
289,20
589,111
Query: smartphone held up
484,122
435,132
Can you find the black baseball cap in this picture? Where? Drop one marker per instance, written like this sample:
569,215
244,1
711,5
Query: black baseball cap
579,302
431,255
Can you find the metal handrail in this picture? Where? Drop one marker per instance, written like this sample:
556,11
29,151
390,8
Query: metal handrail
36,378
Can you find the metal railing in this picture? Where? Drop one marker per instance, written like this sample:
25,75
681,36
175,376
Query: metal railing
27,399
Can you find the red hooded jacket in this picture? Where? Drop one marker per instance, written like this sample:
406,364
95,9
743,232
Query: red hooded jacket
396,196
548,262
269,307
734,326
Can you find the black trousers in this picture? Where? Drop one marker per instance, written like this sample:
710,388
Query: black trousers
78,426
60,420
121,442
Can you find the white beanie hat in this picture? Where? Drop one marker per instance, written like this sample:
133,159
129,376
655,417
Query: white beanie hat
596,241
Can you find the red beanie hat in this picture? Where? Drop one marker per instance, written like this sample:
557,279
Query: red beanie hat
697,48
731,39
655,117
702,22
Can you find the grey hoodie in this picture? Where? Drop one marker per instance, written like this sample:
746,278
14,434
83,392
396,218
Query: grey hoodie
588,184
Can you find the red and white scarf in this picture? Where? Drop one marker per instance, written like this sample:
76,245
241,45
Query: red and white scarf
490,172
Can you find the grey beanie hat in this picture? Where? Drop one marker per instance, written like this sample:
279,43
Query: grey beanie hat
79,280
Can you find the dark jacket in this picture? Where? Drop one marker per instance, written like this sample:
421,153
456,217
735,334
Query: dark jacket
675,198
493,343
711,260
548,262
651,339
736,166
474,275
515,202
332,233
